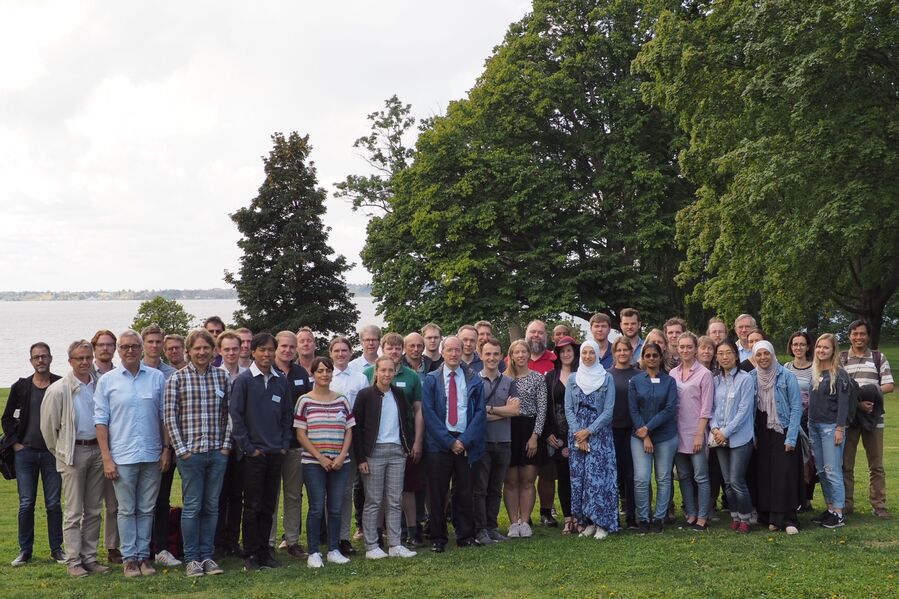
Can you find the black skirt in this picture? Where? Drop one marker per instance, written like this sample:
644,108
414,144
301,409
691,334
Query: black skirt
779,487
522,429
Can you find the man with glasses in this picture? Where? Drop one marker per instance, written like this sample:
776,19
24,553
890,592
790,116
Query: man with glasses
22,424
128,414
67,423
215,326
173,348
432,336
371,340
103,343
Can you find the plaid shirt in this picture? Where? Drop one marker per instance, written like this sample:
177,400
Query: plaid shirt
196,410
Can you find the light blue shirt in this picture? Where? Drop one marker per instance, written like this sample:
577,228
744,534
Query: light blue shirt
389,426
166,370
461,400
635,359
84,412
745,354
131,407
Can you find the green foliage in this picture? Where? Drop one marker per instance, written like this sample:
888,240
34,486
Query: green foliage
552,187
170,315
793,122
288,277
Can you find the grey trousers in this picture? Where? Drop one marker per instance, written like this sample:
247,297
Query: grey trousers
82,488
292,486
384,490
346,514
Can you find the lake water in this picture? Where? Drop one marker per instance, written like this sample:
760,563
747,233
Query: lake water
58,323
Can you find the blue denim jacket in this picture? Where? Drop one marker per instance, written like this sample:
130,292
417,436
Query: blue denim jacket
735,421
653,405
788,400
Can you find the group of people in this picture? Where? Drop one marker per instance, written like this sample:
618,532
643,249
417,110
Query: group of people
423,429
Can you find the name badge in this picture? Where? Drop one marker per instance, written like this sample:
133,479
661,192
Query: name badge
148,398
655,381
401,384
298,383
219,393
276,398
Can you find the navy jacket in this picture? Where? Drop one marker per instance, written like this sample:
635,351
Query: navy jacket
653,405
261,418
437,438
20,399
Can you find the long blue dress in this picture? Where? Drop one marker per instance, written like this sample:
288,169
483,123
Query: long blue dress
594,474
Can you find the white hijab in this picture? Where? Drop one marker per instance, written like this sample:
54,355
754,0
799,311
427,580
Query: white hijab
590,378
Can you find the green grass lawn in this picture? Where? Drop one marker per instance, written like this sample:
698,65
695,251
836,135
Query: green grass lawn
859,560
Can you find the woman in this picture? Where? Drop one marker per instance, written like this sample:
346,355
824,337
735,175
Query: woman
658,337
589,404
652,400
828,412
799,347
557,425
520,494
748,365
705,354
732,431
623,370
695,395
382,439
324,421
778,466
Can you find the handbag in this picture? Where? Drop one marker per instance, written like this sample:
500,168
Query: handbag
7,458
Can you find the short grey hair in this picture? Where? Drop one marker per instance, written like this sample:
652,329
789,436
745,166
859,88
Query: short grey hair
78,345
131,333
744,317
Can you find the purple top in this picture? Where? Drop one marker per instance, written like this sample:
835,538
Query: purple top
695,398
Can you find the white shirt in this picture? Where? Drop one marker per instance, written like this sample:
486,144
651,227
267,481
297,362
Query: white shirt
359,364
348,383
389,426
272,373
461,399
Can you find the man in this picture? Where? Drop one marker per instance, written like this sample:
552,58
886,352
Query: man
228,346
629,319
455,419
468,335
743,325
432,335
305,347
600,327
349,382
716,330
104,344
153,336
413,354
216,326
67,424
371,340
246,339
485,331
134,445
22,425
542,360
261,422
490,470
871,370
673,328
173,348
299,382
197,421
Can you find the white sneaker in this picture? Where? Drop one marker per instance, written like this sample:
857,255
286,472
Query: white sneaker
283,544
792,530
314,560
336,557
600,533
589,531
164,558
376,553
514,531
401,551
525,531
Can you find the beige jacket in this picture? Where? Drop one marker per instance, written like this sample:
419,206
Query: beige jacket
58,419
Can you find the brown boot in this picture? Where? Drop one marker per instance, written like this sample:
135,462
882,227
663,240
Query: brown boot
114,556
77,571
146,568
131,568
95,568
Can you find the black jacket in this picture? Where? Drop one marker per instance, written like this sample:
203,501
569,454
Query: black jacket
20,399
367,414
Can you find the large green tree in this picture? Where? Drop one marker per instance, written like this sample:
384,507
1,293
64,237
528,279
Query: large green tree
792,113
168,314
288,275
552,187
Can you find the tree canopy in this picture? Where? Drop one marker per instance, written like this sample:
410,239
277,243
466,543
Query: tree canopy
168,314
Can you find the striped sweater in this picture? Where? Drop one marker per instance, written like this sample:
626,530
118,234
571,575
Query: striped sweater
325,424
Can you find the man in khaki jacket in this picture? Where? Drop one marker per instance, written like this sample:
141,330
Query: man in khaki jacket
67,424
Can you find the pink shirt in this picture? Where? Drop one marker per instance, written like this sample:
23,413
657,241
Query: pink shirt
694,401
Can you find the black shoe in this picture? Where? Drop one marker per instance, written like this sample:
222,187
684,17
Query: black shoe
469,542
546,519
22,559
114,556
346,548
438,546
696,526
820,517
267,562
631,525
58,556
833,520
657,526
250,564
643,527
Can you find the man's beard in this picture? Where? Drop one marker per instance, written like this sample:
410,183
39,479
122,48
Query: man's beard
536,347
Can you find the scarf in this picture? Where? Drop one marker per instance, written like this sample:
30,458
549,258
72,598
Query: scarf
766,377
590,378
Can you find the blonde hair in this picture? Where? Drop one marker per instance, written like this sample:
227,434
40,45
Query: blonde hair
513,371
833,368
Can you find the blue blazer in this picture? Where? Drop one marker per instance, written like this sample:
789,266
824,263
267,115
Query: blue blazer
437,438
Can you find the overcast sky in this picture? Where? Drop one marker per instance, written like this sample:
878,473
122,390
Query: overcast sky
130,130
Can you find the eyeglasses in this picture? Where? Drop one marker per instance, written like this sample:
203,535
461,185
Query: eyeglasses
40,357
81,358
651,356
131,347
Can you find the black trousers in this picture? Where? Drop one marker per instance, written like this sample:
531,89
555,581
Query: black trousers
159,540
625,465
227,531
441,469
261,478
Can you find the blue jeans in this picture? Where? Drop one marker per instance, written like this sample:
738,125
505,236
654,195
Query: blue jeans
734,461
663,458
136,489
828,462
320,483
31,463
201,483
694,467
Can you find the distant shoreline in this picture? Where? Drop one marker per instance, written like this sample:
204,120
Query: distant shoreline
141,295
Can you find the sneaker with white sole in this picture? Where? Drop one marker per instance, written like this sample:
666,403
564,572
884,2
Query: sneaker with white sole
600,533
336,557
283,544
525,531
514,531
792,530
376,553
193,569
589,531
400,551
164,558
315,560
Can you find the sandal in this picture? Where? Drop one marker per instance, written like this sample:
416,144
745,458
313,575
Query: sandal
570,526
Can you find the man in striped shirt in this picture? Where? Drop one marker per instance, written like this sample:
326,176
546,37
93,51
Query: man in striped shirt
868,368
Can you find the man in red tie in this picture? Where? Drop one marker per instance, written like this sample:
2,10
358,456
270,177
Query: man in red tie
455,421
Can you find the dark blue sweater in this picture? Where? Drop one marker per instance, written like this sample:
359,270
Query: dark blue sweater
261,417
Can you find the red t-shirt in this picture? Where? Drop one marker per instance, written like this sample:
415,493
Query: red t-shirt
544,363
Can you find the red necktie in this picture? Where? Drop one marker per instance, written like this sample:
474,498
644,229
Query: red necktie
453,417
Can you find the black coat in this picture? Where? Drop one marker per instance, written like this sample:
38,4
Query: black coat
20,399
367,414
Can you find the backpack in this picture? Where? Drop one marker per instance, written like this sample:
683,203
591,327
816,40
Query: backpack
854,388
